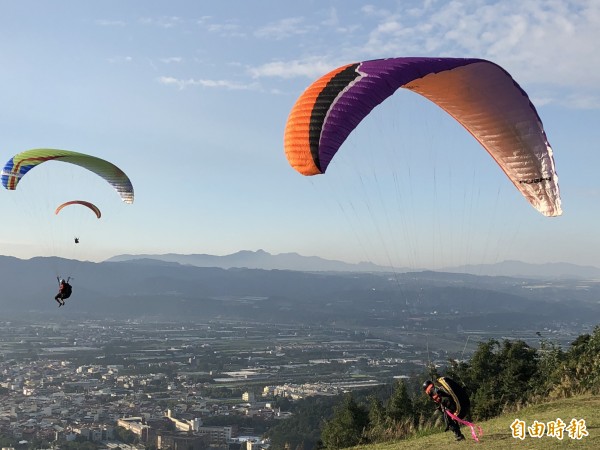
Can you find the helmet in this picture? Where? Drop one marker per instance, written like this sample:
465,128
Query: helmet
427,384
63,281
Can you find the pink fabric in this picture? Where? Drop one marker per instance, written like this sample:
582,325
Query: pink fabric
472,426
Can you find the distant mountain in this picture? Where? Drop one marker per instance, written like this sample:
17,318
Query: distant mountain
150,288
525,270
260,260
293,261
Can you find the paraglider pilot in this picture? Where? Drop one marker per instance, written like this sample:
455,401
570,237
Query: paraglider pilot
444,401
77,240
64,291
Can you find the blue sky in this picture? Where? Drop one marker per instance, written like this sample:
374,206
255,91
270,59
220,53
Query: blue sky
190,99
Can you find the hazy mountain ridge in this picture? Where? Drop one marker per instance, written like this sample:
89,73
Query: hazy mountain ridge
293,261
154,288
259,260
527,270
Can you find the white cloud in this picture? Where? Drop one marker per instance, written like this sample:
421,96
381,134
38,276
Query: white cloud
171,59
546,43
204,19
223,84
226,29
229,28
284,28
372,10
333,22
581,101
310,68
162,22
332,19
120,59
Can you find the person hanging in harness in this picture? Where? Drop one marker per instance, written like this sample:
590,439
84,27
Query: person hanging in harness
64,291
445,401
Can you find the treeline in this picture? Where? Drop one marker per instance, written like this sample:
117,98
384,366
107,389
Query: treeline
501,376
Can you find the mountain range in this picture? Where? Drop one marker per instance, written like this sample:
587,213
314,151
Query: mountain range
146,288
261,259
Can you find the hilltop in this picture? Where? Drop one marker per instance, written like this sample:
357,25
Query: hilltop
497,431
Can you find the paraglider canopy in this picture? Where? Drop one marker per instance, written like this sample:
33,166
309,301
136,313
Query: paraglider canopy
89,205
20,164
479,94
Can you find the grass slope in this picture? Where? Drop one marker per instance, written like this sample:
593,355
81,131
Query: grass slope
497,433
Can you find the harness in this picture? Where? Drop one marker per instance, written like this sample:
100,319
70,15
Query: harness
444,383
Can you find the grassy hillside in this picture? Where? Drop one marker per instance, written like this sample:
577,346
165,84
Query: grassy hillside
497,433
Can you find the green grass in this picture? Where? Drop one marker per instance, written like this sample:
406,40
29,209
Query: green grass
497,433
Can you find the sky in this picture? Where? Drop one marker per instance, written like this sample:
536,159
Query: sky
190,99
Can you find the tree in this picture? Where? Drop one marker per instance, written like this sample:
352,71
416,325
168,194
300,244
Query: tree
304,426
551,361
377,414
581,367
347,426
484,366
400,407
519,367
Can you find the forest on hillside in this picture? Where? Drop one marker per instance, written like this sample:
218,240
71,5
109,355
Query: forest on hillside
501,376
